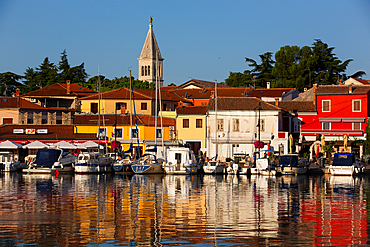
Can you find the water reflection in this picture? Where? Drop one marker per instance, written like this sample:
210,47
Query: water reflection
159,210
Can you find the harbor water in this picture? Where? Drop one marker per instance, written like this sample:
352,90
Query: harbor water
169,210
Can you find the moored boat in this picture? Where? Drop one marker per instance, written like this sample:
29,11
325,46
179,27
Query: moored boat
181,161
9,163
123,165
290,164
148,164
93,162
214,167
346,164
263,167
52,161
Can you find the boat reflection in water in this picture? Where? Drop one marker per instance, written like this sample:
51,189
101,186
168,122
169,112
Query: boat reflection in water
193,210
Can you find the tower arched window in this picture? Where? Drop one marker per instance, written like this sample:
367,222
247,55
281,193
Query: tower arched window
148,70
159,72
142,70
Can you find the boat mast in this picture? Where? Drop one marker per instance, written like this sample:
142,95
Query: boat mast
156,103
160,103
216,118
99,108
130,110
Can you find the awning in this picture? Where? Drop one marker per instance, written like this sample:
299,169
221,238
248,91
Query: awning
330,120
353,120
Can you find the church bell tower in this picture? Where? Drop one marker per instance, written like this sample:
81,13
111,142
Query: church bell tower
150,60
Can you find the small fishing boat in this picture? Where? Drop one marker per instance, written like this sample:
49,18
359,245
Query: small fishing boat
214,167
148,164
123,165
52,161
290,164
93,162
346,164
240,165
9,163
263,167
181,161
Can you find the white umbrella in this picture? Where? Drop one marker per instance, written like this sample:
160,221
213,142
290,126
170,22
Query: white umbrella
65,145
89,144
10,145
36,145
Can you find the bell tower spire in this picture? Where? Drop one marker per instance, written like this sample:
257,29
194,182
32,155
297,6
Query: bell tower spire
150,60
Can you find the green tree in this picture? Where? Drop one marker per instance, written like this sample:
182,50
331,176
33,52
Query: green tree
237,79
9,81
75,74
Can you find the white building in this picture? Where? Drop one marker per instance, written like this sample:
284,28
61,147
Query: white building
236,128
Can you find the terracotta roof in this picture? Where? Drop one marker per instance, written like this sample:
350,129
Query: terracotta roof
201,84
362,81
55,132
240,103
270,92
166,95
192,110
60,89
341,89
19,103
119,93
298,106
109,120
207,92
168,87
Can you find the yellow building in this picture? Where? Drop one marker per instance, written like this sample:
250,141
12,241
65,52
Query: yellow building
126,132
191,126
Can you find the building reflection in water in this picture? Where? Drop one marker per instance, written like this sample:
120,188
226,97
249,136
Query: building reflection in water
183,210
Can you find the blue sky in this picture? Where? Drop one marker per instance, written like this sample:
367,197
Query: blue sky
203,40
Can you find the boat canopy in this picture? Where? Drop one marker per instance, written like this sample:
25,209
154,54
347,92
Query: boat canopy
47,157
288,160
343,159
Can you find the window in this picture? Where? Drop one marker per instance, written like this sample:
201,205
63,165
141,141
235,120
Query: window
235,125
101,132
148,70
59,118
185,123
159,133
134,133
44,119
30,118
118,132
356,105
120,105
326,126
262,125
199,123
7,120
356,126
326,105
220,125
164,107
142,70
144,106
94,108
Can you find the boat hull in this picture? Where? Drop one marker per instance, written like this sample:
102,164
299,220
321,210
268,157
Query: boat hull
263,172
93,168
47,170
214,169
186,170
122,169
288,170
148,169
345,170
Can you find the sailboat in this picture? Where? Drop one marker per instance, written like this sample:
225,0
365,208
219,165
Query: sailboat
123,162
149,163
92,161
214,166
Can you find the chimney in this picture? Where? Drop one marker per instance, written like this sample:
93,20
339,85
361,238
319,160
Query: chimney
268,85
350,88
68,86
314,93
181,104
17,92
212,94
277,101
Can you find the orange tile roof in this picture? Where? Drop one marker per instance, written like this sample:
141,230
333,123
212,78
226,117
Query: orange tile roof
60,89
299,106
207,92
119,93
362,81
341,89
192,110
109,120
270,92
201,84
19,103
240,103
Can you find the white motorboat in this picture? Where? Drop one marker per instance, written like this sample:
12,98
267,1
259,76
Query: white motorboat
93,162
214,167
241,164
9,163
52,161
346,164
263,167
181,160
148,164
290,164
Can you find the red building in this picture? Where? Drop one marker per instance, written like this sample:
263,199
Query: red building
341,110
